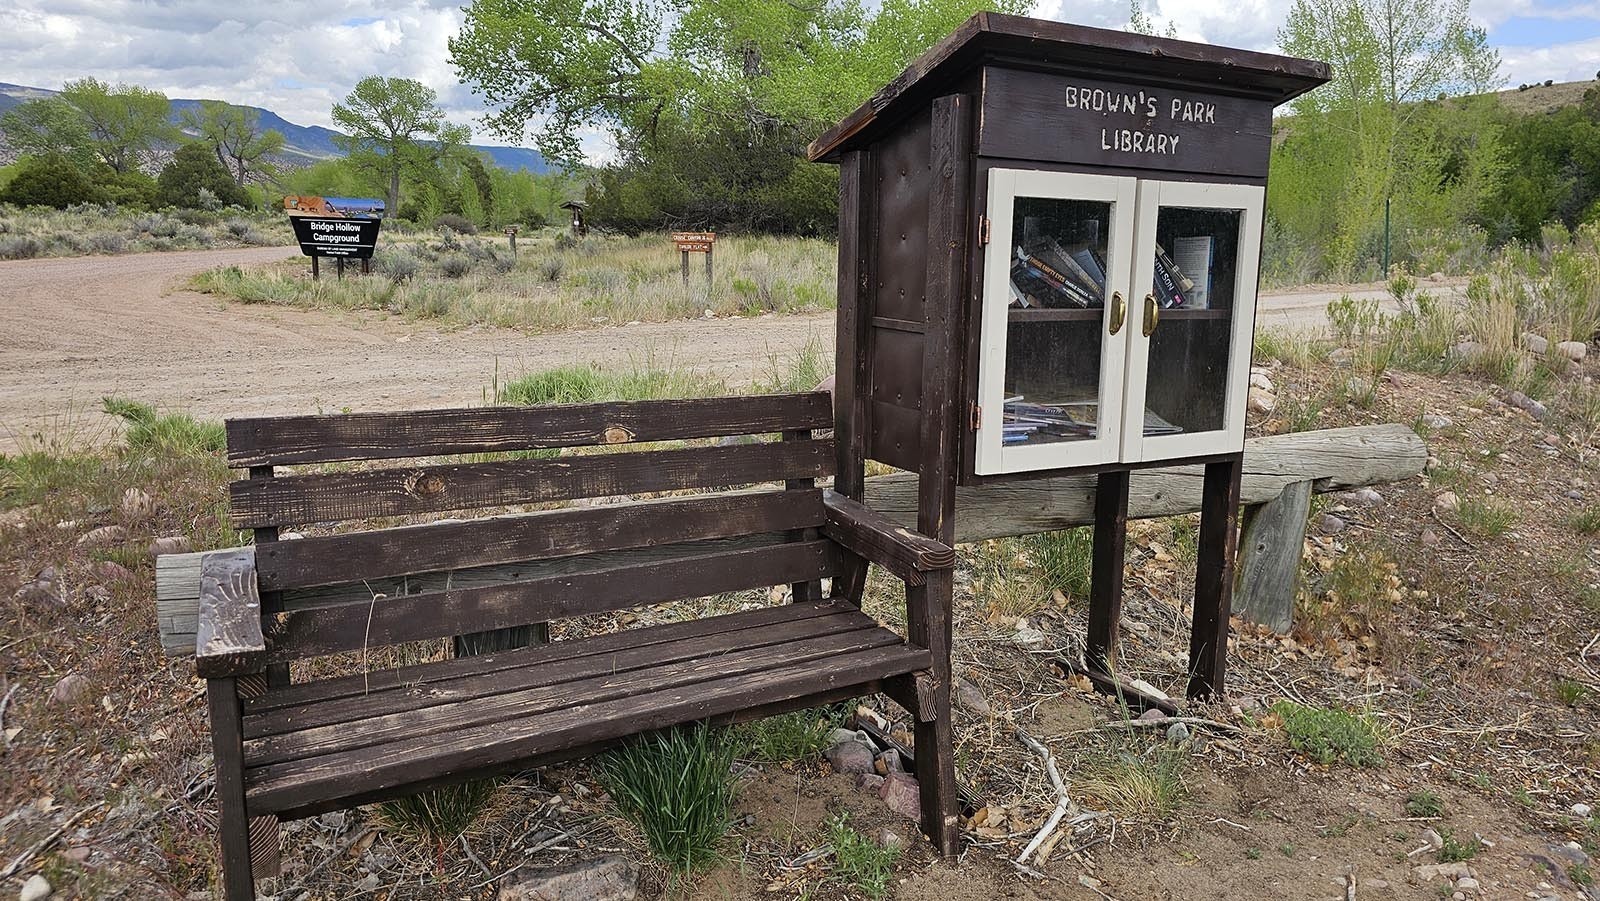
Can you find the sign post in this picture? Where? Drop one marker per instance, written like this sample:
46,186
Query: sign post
695,242
338,227
511,235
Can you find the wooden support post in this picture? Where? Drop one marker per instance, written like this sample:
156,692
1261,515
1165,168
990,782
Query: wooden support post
271,601
684,254
1213,581
928,625
233,822
316,269
851,349
709,252
339,263
1271,544
366,265
802,591
1105,574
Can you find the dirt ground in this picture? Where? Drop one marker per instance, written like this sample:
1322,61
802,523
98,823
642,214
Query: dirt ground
73,330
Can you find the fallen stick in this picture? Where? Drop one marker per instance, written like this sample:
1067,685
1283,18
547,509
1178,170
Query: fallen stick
47,841
1063,806
4,703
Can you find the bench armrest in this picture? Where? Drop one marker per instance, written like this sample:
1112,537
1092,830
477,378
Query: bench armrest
228,640
876,539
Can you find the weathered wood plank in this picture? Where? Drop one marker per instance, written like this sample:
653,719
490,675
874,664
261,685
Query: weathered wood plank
899,550
314,631
522,694
410,491
411,550
283,440
533,670
1270,547
1331,459
1213,579
1106,566
228,640
292,785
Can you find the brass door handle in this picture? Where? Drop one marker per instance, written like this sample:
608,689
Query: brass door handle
1119,311
1152,315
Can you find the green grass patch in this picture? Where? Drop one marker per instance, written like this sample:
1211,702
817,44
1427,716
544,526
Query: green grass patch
591,384
859,862
1329,735
174,434
1148,785
1456,850
438,816
1587,522
1424,804
789,737
677,788
1060,560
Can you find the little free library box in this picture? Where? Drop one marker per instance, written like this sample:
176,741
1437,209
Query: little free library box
1049,245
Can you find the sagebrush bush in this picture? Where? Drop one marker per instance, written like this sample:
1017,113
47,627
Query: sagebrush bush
458,224
456,265
21,247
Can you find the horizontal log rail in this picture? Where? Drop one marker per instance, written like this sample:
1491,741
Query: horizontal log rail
1329,459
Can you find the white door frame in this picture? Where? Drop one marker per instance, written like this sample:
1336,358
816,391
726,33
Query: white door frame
1153,195
1005,185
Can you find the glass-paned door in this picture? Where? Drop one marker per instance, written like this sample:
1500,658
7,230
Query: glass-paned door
1055,309
1194,278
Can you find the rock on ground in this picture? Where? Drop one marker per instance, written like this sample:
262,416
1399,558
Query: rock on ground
1535,343
103,536
37,888
169,544
971,699
610,878
70,690
902,795
1573,350
850,757
1261,402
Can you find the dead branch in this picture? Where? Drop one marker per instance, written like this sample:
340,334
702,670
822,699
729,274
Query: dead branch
47,841
1063,806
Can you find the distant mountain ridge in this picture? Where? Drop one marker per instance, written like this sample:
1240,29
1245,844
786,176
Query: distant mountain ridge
302,143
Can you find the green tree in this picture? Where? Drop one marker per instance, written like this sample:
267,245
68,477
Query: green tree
126,123
192,168
235,135
49,180
49,125
395,125
1352,144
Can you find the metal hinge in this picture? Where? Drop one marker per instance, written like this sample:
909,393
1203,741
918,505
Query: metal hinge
983,231
977,416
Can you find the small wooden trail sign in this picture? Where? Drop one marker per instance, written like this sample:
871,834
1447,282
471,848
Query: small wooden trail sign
694,242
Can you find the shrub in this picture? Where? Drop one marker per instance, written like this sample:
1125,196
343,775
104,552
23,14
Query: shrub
1588,521
50,180
549,269
167,434
398,265
1424,804
1061,559
455,265
20,247
677,788
458,224
789,737
193,169
108,242
1329,735
438,815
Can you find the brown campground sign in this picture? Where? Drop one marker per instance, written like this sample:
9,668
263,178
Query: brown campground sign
694,242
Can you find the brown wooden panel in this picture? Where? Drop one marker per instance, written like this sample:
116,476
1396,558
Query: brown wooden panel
296,500
901,178
896,437
441,683
228,639
409,550
582,684
897,367
894,547
300,783
296,634
1087,121
381,436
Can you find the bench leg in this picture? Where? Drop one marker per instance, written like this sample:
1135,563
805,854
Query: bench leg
928,621
1213,580
233,822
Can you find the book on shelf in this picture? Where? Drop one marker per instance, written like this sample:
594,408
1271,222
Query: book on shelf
1155,425
1053,254
1022,421
1046,286
1092,265
1193,256
1167,285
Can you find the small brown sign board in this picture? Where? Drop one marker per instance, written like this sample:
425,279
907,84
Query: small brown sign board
694,242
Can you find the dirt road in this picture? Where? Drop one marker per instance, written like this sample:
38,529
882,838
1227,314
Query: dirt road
73,330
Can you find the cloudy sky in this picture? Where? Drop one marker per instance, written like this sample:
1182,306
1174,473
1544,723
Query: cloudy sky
297,57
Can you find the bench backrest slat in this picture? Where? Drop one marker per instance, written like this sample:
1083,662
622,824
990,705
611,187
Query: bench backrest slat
405,491
413,550
289,440
294,634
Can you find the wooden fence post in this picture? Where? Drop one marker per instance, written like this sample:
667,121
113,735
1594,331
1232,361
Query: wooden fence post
1270,548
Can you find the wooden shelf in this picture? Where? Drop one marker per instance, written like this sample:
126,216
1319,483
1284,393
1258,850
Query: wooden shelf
1068,314
1175,315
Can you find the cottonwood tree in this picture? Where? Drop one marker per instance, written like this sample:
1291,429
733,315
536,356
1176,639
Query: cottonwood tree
46,126
126,123
1364,137
395,124
235,136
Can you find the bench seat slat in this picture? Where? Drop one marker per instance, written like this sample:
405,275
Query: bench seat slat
412,550
284,787
296,634
415,490
537,670
533,691
287,440
372,684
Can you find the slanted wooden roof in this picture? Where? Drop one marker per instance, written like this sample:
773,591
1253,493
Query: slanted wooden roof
1025,43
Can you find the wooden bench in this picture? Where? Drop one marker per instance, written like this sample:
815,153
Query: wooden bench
293,747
